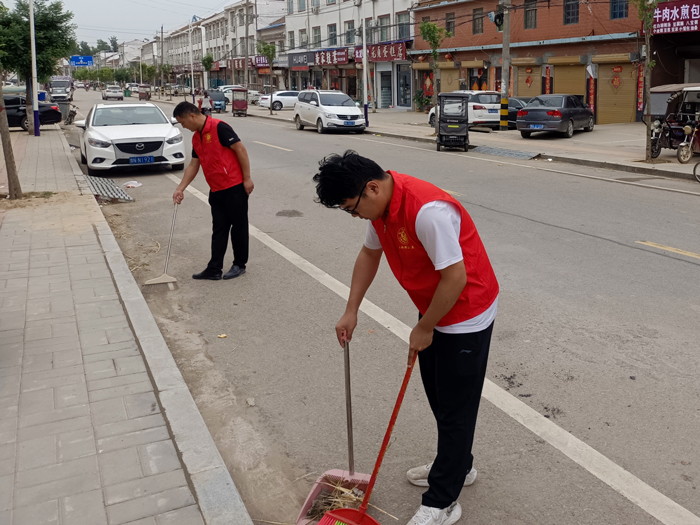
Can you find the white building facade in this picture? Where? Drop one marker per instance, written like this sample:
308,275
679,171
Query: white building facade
324,42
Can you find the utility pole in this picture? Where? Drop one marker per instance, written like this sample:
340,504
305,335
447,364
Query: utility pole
191,61
505,66
245,66
365,85
35,93
141,65
162,51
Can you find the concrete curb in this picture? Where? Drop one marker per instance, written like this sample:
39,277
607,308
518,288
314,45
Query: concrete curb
83,186
216,493
580,162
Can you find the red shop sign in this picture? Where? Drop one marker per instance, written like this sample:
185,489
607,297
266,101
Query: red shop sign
332,57
591,93
640,88
383,52
548,81
682,16
617,69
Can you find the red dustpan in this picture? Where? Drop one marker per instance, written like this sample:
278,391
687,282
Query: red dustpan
359,516
348,479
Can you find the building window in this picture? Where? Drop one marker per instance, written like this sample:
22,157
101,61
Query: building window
291,39
403,22
426,19
280,46
332,35
450,23
303,40
317,36
330,2
350,32
302,5
384,32
240,18
478,21
290,7
369,32
619,9
570,12
530,14
251,46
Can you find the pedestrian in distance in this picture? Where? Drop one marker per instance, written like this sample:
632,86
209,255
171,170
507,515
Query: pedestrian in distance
224,161
205,103
434,250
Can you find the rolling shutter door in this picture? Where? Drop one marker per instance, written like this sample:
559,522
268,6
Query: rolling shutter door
449,79
535,76
617,93
569,80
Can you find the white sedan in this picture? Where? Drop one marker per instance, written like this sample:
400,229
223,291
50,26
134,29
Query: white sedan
116,136
279,99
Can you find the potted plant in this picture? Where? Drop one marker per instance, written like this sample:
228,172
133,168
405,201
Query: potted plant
421,100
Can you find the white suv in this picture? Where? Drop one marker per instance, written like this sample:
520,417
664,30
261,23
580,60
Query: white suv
328,110
484,109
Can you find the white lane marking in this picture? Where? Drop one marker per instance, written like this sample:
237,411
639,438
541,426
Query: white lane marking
647,498
271,146
529,166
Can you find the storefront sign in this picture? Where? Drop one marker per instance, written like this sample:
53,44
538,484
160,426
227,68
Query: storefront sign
383,52
301,61
547,80
528,70
591,93
239,63
282,61
681,16
331,58
263,71
261,61
617,69
215,66
640,88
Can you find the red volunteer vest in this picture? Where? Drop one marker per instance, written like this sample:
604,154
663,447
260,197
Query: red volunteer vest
410,262
219,164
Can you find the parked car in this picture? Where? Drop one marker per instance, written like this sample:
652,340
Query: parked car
253,96
561,113
114,92
327,110
484,108
515,104
279,99
79,85
16,109
120,135
228,91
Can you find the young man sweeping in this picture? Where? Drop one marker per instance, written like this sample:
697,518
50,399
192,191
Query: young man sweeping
224,161
435,252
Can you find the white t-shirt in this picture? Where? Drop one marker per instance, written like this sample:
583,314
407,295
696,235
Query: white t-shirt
206,103
437,226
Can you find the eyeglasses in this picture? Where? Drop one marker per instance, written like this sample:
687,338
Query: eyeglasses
354,210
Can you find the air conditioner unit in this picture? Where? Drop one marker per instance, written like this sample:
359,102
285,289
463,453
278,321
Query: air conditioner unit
315,10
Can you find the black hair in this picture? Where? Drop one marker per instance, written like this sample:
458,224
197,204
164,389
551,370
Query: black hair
342,177
185,108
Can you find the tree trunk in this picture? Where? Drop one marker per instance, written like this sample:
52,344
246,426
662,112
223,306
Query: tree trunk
15,190
435,94
29,110
371,89
647,93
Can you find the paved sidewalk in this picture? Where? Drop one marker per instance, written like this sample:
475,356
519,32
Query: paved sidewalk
614,146
90,397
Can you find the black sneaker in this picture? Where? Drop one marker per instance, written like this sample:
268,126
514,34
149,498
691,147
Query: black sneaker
212,275
234,272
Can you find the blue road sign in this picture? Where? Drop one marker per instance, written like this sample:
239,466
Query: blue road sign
81,61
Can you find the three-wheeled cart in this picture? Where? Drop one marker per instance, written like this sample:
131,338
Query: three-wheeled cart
239,104
144,92
453,121
218,101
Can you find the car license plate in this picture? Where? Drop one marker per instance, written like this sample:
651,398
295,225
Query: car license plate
537,126
349,122
141,160
493,111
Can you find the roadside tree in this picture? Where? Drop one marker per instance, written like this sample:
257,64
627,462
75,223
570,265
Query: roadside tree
113,44
645,11
207,62
268,51
54,38
434,36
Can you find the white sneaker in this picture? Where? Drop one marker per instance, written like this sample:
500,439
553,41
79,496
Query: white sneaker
433,516
419,476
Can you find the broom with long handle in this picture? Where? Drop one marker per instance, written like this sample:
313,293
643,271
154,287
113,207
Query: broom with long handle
166,279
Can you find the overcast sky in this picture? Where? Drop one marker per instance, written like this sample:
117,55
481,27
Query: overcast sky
133,19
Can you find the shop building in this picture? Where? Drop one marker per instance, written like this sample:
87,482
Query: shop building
589,50
675,43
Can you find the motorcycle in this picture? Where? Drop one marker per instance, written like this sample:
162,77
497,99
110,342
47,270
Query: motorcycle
691,143
71,115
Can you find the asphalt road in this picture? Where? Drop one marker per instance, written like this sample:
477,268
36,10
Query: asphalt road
597,333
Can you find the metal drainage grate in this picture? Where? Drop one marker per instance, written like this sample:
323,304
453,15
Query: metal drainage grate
505,152
107,189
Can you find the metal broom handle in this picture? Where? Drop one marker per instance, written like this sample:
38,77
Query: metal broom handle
348,408
170,242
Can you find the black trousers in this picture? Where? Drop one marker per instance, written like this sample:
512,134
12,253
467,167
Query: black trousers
453,368
229,213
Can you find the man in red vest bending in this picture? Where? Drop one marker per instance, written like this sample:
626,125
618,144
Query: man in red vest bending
224,161
434,250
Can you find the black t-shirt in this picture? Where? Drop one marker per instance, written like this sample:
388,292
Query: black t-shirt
227,137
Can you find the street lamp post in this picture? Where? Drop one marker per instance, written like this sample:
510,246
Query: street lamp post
364,62
35,93
141,66
191,61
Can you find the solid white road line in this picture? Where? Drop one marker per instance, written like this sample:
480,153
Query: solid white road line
271,146
647,498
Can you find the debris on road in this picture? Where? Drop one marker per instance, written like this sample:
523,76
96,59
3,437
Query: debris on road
222,336
250,401
132,184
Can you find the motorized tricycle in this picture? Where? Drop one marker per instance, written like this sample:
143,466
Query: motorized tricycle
218,101
453,121
144,92
239,105
675,127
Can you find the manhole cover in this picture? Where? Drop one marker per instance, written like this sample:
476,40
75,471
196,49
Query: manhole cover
107,189
505,152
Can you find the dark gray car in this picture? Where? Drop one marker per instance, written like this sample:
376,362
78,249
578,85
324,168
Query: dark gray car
562,113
